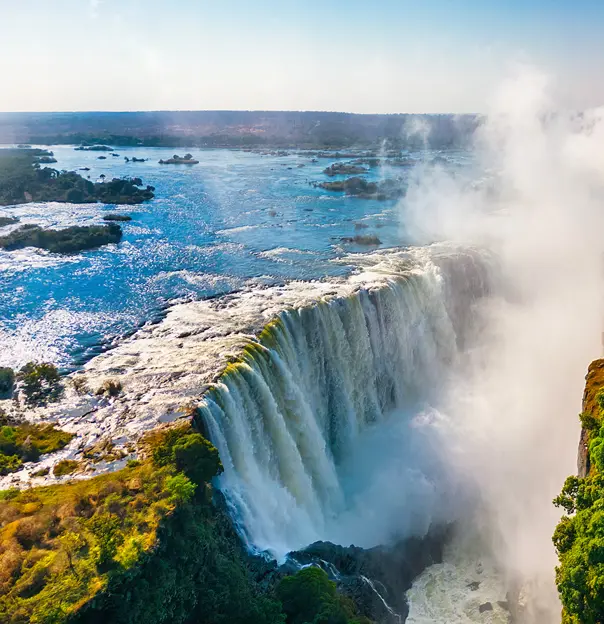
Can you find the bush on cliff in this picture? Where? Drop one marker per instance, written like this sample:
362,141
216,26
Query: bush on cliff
579,537
310,597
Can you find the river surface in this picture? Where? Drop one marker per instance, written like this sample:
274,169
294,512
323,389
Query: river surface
213,227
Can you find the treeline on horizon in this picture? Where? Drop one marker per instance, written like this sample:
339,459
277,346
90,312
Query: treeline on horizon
238,129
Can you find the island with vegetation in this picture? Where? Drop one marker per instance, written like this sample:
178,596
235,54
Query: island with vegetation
93,148
116,217
361,188
187,159
344,169
67,240
22,180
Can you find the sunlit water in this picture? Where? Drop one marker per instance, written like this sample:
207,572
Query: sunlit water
212,227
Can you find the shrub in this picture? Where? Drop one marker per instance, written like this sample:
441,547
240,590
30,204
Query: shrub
309,596
40,383
106,529
9,463
65,467
7,381
180,488
80,384
110,388
197,457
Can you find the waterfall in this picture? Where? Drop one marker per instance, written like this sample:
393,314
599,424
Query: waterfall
319,381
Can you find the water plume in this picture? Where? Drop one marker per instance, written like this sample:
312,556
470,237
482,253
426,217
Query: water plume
512,410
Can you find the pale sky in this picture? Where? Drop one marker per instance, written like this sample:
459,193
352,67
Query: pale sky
344,55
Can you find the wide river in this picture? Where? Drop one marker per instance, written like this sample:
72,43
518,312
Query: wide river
213,227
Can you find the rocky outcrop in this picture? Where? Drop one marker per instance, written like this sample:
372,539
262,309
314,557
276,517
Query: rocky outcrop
377,579
344,169
594,382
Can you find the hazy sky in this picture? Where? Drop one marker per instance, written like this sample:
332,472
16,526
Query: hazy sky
346,55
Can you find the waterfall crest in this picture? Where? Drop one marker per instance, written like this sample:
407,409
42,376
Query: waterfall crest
318,382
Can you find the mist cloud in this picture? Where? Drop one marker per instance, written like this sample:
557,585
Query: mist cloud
512,410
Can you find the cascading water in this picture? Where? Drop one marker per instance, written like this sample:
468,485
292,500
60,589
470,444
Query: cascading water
328,405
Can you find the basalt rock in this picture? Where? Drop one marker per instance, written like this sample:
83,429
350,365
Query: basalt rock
377,578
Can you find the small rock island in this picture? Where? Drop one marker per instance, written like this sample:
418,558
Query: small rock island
187,159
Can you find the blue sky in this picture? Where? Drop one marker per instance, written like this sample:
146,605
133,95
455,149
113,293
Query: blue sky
361,56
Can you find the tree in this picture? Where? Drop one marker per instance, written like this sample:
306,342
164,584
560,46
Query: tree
40,383
181,488
197,458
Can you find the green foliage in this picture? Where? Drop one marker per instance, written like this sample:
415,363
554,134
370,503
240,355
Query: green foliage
75,544
190,452
9,463
180,488
68,240
22,179
579,536
65,467
589,421
40,383
197,457
7,381
310,597
26,442
106,530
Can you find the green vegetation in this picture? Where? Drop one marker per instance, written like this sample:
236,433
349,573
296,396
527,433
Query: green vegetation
145,545
344,169
40,383
65,467
68,240
359,187
309,597
579,537
7,381
62,545
116,217
23,180
21,442
94,148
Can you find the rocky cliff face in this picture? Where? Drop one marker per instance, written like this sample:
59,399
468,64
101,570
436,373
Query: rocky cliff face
594,381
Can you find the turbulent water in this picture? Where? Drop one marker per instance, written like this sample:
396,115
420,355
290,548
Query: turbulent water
331,409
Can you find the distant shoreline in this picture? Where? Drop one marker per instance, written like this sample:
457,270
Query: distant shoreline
240,129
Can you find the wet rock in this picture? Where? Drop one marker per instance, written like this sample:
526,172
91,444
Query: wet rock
474,585
377,578
487,606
